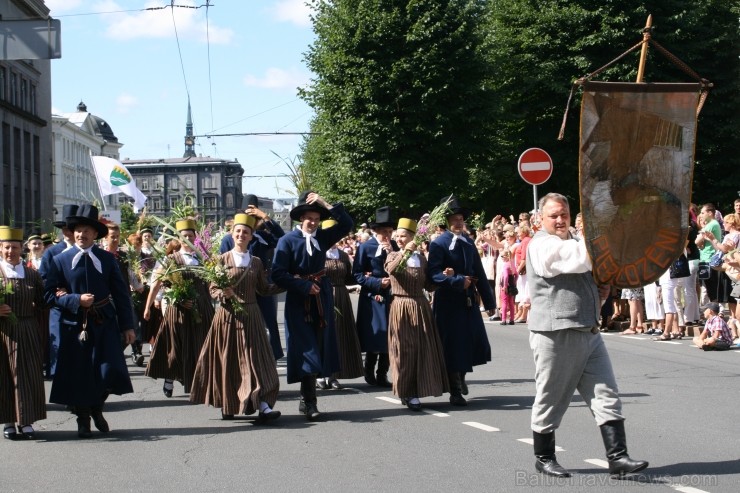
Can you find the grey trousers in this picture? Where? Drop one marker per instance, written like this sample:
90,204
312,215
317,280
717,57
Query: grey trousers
566,361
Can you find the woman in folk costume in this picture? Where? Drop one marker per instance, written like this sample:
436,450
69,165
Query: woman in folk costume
185,323
85,282
22,399
339,271
298,267
36,247
416,354
236,370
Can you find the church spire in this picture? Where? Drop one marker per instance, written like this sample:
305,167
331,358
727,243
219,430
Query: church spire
189,138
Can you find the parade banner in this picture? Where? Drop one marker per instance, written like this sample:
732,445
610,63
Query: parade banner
636,170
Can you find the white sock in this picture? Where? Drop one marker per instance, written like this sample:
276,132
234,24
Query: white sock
414,401
265,408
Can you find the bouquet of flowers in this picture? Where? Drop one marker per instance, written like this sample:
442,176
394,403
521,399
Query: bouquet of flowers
7,289
424,230
178,289
478,220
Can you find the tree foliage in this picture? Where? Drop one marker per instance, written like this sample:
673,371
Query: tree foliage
418,98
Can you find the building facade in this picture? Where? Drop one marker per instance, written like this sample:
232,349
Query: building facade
77,136
25,133
212,186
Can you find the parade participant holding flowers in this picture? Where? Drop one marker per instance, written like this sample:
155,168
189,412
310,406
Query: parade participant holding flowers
236,370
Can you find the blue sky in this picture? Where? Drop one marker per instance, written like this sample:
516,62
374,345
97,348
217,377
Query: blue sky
124,63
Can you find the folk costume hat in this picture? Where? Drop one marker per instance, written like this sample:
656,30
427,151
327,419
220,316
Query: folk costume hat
87,214
250,199
47,239
11,234
245,220
146,229
34,236
302,207
185,224
455,207
383,218
67,211
407,224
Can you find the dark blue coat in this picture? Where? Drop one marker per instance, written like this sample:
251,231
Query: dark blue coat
55,313
264,250
311,350
372,313
456,309
88,369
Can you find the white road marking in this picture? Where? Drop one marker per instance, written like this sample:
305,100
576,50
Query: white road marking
531,442
598,462
436,413
393,400
389,399
480,426
686,489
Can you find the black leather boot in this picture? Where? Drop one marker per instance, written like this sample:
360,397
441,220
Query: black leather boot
456,398
463,385
308,398
370,360
381,377
615,443
83,422
544,450
96,413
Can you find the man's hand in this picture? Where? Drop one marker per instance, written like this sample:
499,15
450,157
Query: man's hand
129,337
254,211
314,197
5,310
315,289
468,282
385,282
86,300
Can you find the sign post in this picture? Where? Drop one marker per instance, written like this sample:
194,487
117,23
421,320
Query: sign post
535,168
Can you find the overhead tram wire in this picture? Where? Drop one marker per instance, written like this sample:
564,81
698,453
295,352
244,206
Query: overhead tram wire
179,51
171,5
260,134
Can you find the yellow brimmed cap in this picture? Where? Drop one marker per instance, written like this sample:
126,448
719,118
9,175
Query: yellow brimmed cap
245,220
328,223
406,223
10,234
184,224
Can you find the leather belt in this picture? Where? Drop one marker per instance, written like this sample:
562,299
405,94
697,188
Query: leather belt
308,318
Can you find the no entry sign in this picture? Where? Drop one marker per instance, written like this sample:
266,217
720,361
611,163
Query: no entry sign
535,166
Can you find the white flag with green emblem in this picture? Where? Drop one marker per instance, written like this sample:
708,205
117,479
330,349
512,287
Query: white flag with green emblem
113,177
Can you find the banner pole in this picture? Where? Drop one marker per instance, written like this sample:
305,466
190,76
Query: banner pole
643,52
97,180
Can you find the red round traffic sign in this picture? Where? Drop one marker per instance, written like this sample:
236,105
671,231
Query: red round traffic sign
535,166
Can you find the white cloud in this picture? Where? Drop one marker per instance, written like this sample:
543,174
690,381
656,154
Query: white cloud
294,11
277,78
191,23
125,101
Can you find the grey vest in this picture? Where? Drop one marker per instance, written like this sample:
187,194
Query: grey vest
565,301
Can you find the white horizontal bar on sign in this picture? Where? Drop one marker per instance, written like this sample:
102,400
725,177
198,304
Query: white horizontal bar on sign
537,166
480,426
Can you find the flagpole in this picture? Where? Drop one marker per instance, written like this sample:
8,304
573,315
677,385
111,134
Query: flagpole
97,180
644,51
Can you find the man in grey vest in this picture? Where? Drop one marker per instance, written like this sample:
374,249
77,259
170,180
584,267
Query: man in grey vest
569,352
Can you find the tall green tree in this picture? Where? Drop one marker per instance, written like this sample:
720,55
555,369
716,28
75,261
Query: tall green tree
403,111
540,46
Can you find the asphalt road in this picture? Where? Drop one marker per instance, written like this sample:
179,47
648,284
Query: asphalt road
681,404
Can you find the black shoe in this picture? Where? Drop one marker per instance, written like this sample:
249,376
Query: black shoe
381,380
83,427
10,433
168,392
321,383
511,322
309,409
413,406
226,417
550,466
28,432
458,400
100,423
615,442
264,418
139,360
335,385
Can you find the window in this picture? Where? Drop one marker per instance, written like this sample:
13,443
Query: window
24,94
189,183
209,202
14,89
3,79
207,182
188,200
156,204
174,183
230,200
229,182
144,184
32,103
173,201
